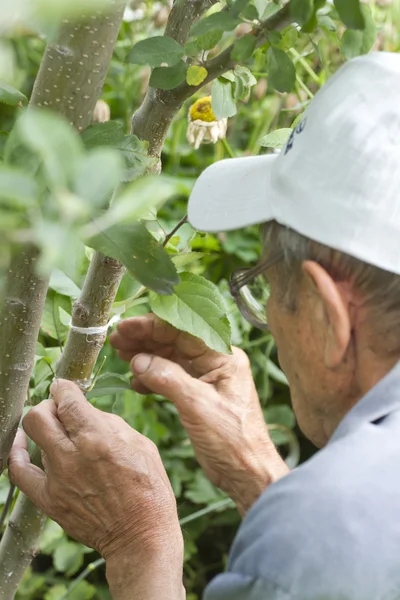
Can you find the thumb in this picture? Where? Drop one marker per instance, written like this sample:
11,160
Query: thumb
168,379
73,410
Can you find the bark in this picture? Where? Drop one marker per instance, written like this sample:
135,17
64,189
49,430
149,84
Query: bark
19,326
152,119
92,309
69,82
20,538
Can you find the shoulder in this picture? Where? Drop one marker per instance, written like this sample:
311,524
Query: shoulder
320,528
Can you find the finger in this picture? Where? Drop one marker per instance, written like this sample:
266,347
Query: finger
138,387
163,351
168,379
148,334
27,477
73,410
42,425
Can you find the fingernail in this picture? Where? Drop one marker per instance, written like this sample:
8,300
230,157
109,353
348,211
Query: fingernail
53,387
141,363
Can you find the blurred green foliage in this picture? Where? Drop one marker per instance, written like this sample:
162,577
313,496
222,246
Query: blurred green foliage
260,111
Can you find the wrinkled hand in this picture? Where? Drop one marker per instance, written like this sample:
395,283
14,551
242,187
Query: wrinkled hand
103,482
217,401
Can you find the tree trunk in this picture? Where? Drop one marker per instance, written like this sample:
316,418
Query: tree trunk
19,326
69,82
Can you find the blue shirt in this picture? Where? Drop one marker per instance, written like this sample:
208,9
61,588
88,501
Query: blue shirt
330,530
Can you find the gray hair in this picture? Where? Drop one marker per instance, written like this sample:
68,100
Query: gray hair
379,289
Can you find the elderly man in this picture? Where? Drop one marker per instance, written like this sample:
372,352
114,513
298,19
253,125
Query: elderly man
329,206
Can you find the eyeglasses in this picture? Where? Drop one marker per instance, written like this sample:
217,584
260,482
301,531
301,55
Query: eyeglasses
250,291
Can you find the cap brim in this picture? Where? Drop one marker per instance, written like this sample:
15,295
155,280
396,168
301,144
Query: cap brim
232,194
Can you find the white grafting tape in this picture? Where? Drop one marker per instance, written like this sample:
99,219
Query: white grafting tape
95,330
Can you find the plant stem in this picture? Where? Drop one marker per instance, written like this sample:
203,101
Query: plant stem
228,148
89,569
175,229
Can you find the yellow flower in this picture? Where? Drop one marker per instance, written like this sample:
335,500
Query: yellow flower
203,126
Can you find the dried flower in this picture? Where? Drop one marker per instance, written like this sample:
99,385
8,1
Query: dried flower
203,126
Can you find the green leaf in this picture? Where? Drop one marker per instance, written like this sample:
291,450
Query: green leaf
250,13
326,22
50,536
280,415
182,260
265,8
222,101
168,78
202,491
133,150
350,13
65,317
17,189
157,51
83,591
275,373
275,38
62,284
197,308
51,323
97,175
219,21
11,96
109,133
56,592
355,42
138,200
196,75
208,40
108,384
68,557
281,70
146,260
51,139
301,10
237,7
244,48
275,139
244,80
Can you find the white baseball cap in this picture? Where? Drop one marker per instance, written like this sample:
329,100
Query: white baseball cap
337,181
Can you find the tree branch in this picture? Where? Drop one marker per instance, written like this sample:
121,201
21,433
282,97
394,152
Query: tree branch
183,15
152,119
223,62
92,309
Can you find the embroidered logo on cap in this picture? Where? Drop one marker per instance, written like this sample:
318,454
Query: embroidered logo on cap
296,131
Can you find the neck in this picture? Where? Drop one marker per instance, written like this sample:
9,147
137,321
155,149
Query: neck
369,370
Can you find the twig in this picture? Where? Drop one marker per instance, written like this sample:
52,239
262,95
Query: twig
91,567
7,505
175,229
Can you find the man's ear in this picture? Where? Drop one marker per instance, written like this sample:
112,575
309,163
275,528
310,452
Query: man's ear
336,308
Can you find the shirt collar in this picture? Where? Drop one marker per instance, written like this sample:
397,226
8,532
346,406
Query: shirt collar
380,401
